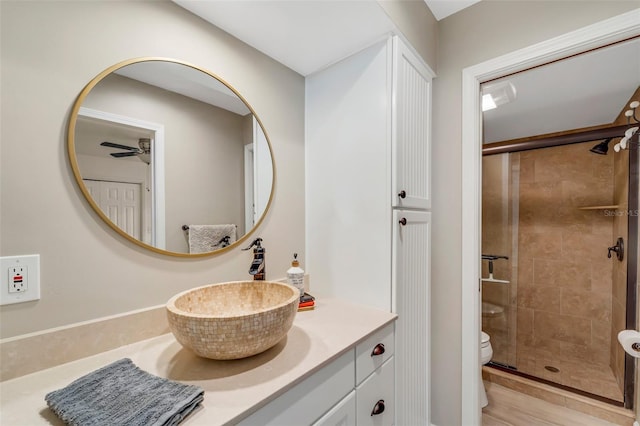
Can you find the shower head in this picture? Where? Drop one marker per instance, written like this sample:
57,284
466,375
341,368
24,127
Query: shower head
602,147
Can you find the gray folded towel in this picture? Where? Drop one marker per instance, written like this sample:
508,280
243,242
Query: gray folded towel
123,394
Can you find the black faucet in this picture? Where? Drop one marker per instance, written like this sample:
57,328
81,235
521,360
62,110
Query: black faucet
257,268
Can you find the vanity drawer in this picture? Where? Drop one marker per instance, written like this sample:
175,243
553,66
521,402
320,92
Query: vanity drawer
376,394
343,414
382,343
309,400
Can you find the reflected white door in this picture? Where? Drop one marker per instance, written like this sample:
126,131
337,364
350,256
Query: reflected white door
120,202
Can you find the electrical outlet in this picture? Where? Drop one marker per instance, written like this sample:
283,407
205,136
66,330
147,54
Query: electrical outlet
19,279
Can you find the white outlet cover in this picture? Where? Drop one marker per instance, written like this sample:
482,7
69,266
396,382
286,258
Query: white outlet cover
32,262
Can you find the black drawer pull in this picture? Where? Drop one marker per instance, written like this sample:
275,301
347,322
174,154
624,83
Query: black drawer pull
402,194
403,221
378,408
378,350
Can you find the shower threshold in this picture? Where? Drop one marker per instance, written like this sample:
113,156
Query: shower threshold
514,371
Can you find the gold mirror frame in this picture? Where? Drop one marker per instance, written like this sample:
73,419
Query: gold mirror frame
71,148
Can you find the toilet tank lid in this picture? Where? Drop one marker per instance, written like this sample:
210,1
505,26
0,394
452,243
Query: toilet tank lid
485,337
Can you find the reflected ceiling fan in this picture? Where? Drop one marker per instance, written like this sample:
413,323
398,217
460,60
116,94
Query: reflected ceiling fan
143,150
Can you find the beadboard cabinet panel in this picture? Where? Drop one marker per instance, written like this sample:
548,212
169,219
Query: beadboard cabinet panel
412,242
411,130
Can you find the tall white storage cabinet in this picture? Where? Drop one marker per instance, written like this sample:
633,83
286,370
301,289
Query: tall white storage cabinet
368,157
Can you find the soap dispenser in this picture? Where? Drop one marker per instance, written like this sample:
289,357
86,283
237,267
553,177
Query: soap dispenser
257,268
295,275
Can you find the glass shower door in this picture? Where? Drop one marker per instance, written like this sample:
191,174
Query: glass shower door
500,254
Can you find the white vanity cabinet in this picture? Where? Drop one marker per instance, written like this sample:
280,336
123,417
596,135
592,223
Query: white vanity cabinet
355,389
368,127
375,377
309,400
343,414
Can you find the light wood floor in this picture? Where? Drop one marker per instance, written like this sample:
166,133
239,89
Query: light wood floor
510,408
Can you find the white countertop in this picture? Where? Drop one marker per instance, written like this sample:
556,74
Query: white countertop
233,389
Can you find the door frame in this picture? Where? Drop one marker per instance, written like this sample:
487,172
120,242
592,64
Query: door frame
249,185
600,34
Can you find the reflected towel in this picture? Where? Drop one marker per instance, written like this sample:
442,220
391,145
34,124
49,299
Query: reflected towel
206,238
123,394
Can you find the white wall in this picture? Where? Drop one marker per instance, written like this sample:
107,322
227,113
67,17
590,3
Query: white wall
486,30
49,51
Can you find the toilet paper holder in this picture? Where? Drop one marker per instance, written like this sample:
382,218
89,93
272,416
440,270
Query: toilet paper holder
630,342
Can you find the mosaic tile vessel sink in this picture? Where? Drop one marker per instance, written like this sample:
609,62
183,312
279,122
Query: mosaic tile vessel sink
233,320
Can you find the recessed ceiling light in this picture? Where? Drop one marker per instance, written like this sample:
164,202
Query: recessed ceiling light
488,102
494,95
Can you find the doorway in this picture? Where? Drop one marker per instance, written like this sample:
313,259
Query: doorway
601,34
95,128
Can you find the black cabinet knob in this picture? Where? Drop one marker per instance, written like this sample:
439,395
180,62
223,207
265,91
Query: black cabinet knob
378,408
378,350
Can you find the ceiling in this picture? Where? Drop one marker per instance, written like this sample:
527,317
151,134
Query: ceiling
309,35
585,90
304,35
443,8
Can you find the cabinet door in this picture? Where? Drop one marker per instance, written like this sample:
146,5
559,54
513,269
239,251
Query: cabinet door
411,130
343,414
375,403
412,246
310,399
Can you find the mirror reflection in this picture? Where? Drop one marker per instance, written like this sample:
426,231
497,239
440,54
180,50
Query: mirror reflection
171,157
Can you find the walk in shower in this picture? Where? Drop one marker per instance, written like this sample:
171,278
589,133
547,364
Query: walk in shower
554,213
560,222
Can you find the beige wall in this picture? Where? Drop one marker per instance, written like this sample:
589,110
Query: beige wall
417,24
483,31
49,51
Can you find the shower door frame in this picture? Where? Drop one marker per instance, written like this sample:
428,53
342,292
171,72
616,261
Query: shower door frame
593,36
633,210
631,248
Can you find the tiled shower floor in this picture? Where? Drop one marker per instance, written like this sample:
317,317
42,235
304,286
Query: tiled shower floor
592,378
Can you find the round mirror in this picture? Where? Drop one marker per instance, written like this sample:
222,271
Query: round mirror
171,157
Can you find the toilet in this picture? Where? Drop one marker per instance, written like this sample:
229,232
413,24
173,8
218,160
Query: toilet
486,352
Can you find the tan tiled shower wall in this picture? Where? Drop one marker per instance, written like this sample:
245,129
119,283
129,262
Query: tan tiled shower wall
564,296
